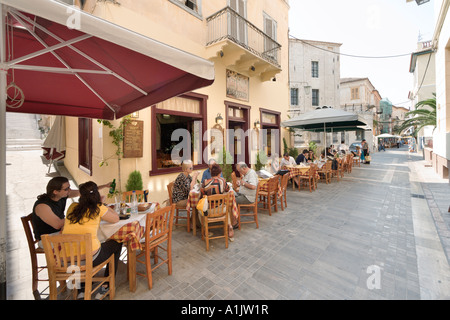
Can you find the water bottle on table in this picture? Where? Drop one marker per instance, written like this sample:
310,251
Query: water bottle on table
134,203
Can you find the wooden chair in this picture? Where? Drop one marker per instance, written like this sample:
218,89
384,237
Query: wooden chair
178,209
158,230
357,160
66,262
269,198
218,208
252,206
347,167
338,172
310,178
234,180
284,184
34,251
127,195
326,171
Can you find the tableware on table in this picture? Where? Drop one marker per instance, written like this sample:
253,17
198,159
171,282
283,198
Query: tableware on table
143,206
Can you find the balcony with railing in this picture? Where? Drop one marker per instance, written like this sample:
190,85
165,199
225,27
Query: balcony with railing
240,44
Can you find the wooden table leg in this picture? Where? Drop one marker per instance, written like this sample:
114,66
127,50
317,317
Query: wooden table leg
131,264
194,221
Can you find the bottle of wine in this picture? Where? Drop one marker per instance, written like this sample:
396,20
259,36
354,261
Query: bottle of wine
112,188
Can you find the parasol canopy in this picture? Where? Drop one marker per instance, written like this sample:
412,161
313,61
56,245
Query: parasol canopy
95,70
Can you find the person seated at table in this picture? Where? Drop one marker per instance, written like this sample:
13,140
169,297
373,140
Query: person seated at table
84,217
303,157
247,184
216,184
343,148
48,211
287,161
357,154
184,183
207,173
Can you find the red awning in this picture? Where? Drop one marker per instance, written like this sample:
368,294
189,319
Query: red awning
99,70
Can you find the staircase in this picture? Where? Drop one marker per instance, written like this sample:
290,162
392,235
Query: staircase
22,132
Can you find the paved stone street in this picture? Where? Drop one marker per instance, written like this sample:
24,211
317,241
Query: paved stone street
380,233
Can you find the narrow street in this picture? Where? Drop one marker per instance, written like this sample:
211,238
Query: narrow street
380,233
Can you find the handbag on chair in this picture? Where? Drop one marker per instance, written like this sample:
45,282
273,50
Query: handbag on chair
202,206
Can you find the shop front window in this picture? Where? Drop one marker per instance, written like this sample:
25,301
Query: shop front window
178,128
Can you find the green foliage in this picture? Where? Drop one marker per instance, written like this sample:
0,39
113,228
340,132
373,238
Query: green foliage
293,152
134,181
313,147
285,146
261,160
423,115
225,161
117,134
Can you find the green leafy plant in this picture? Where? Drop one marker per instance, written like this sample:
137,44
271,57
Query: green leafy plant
225,161
423,115
117,135
313,148
261,160
134,181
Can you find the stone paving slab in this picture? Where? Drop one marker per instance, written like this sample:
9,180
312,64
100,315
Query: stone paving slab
324,245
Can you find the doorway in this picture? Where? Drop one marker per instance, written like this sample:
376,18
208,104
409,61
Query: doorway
237,136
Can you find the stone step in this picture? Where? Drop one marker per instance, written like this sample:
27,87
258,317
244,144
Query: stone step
23,144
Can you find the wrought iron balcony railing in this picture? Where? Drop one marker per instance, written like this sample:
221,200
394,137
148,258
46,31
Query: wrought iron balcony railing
228,24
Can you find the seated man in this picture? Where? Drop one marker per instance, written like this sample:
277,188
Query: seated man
207,173
247,184
302,157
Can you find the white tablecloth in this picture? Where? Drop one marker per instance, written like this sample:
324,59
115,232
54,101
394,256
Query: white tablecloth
106,229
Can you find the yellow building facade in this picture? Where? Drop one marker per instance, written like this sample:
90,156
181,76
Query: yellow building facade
248,42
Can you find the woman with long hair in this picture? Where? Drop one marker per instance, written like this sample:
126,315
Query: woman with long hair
84,217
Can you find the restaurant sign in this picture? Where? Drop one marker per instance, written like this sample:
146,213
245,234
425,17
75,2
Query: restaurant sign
237,86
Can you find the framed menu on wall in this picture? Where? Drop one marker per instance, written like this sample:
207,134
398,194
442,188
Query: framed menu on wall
133,139
237,86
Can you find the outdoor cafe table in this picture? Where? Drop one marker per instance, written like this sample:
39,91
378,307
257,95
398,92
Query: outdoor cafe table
194,198
298,170
129,231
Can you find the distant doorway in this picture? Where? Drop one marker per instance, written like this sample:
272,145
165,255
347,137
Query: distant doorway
237,140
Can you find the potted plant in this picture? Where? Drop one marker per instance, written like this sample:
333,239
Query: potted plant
134,181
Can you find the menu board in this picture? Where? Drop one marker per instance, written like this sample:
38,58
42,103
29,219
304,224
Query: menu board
133,137
237,85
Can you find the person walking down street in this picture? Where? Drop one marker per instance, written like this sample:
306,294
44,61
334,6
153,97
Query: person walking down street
365,148
48,211
247,184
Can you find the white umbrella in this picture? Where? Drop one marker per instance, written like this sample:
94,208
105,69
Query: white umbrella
326,119
55,144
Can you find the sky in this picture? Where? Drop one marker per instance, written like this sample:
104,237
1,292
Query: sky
374,28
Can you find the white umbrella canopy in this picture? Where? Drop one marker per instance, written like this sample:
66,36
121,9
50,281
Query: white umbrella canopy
387,135
56,138
55,144
327,119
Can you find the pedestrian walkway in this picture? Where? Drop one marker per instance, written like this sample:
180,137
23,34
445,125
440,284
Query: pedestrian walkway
376,234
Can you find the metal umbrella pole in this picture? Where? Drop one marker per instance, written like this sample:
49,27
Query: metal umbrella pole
3,74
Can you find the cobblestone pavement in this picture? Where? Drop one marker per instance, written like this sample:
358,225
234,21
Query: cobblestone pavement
379,233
